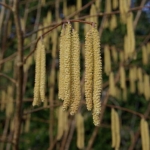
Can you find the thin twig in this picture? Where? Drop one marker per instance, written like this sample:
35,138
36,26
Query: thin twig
6,6
9,78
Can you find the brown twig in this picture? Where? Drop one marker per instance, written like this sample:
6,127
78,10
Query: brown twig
6,6
9,78
9,58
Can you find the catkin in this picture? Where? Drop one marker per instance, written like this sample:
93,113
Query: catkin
115,128
89,64
93,12
3,100
144,55
113,22
75,73
97,72
114,54
27,123
67,79
107,60
40,71
122,78
65,12
140,84
145,134
132,80
146,87
112,88
80,131
115,4
108,6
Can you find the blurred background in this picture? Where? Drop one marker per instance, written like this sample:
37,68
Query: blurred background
124,29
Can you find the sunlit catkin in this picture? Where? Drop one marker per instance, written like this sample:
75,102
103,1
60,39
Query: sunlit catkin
144,134
115,4
144,55
61,65
97,71
89,65
67,73
80,131
75,73
107,60
146,87
112,88
122,78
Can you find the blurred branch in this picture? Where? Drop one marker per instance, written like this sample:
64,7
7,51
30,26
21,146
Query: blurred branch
7,77
8,58
6,6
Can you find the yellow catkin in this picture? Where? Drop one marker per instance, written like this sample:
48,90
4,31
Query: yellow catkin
121,56
112,88
108,6
122,78
130,32
80,131
117,129
67,77
40,71
144,134
144,55
65,12
146,87
61,65
89,64
113,126
3,100
79,4
96,119
27,123
98,5
126,47
93,12
75,73
132,80
114,54
140,84
107,60
115,4
113,22
97,72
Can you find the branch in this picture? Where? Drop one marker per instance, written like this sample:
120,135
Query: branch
6,6
7,77
8,58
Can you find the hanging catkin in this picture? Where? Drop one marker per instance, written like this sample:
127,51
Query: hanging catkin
40,71
145,134
107,60
115,4
114,54
108,6
65,12
146,87
93,12
130,32
62,122
75,73
115,129
122,78
112,88
132,80
98,5
144,55
113,22
97,72
27,123
80,131
67,77
3,100
89,64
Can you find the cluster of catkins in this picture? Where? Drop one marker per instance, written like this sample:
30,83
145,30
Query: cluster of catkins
69,75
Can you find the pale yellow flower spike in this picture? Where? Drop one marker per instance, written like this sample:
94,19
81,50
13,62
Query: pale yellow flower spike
75,68
36,99
115,4
61,65
43,72
97,72
89,71
67,77
112,88
113,124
